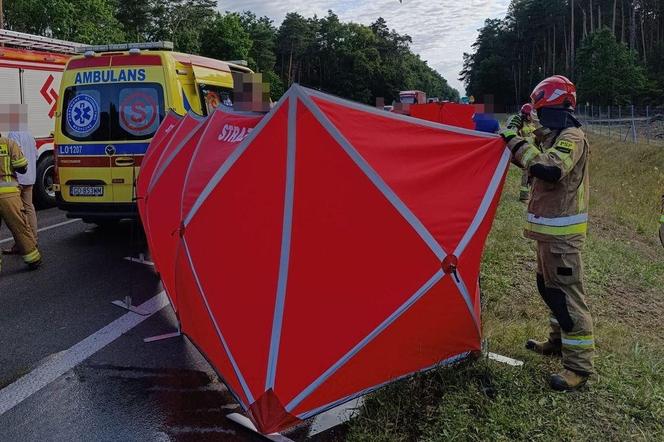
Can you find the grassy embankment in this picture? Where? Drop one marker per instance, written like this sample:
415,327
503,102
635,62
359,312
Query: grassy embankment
624,265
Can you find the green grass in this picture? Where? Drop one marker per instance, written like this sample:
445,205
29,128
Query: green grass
624,275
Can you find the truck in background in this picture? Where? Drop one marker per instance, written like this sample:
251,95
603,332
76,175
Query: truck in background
406,100
30,72
412,97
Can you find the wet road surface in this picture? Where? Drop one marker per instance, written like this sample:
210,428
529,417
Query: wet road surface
126,391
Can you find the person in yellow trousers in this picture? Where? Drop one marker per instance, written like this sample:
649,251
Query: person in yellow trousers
558,221
26,181
12,212
528,127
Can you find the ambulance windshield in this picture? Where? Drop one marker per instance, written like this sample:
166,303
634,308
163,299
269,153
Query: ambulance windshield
112,112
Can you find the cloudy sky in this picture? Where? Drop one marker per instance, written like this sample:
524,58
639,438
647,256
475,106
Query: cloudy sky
442,30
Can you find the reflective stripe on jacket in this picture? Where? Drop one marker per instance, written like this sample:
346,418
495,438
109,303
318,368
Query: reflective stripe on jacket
11,158
557,209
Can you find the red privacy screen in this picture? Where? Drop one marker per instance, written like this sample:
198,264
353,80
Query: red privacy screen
325,249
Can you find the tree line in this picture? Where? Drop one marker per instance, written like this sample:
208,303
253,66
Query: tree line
613,49
352,60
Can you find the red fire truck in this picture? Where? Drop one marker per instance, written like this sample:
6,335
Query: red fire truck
30,72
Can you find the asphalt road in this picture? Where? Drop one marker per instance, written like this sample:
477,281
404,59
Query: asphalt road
126,391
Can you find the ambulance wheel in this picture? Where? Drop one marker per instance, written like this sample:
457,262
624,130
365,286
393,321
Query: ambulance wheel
43,193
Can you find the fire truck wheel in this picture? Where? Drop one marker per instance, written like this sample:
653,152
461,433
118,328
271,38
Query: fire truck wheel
43,194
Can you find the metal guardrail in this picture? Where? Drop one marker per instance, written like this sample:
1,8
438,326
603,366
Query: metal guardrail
629,124
616,120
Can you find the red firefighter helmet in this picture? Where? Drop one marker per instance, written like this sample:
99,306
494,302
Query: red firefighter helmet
554,91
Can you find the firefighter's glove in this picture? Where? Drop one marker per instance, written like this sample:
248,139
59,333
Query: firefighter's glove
508,134
515,122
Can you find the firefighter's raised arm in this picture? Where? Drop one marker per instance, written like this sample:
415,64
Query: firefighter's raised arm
555,162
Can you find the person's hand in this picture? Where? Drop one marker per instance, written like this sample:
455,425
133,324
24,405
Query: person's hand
515,122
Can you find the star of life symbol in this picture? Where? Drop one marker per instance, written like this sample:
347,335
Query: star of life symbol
83,113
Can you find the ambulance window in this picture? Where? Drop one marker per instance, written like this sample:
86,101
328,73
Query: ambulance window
112,112
214,96
86,116
139,111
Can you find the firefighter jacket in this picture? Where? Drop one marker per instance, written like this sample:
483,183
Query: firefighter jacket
527,131
11,160
558,208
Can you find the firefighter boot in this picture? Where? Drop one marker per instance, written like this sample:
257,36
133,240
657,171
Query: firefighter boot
34,265
568,380
546,348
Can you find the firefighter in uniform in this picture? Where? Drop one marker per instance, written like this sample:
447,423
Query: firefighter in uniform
11,206
527,129
557,221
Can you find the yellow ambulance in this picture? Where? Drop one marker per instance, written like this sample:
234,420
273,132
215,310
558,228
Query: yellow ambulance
112,100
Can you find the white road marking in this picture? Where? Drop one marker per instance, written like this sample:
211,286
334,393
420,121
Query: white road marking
43,229
59,364
505,360
127,305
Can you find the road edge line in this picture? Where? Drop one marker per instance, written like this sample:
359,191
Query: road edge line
29,384
43,229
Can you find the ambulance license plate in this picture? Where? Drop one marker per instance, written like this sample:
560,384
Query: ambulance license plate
86,191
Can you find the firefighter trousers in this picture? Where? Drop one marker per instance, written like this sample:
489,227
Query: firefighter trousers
13,214
28,206
560,283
